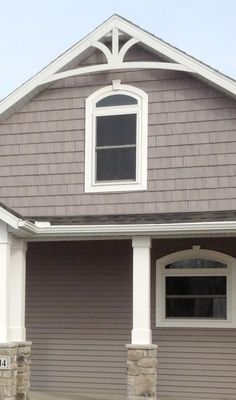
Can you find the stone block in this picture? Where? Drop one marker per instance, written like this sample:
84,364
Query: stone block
20,379
133,370
152,353
145,386
141,372
148,371
14,383
147,362
134,355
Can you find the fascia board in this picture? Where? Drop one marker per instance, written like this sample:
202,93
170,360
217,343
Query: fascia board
129,230
174,54
178,56
8,218
55,66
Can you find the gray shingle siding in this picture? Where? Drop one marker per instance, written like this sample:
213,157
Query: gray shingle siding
191,149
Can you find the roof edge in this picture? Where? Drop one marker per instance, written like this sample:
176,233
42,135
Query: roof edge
39,80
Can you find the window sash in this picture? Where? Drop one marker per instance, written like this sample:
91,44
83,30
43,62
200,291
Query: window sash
229,272
140,109
115,172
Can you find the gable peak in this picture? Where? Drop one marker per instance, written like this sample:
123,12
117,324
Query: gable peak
107,39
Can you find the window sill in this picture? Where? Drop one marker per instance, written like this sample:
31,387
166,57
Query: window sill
184,323
115,187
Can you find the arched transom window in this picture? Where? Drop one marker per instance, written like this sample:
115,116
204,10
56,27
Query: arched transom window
116,139
195,288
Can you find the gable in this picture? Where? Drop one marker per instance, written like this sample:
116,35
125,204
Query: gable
113,39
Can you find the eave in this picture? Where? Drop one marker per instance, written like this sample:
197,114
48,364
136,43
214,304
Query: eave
45,231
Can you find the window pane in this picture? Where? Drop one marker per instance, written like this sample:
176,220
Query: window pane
115,130
116,100
196,285
116,164
196,308
195,263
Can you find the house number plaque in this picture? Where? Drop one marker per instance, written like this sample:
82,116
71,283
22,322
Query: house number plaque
4,362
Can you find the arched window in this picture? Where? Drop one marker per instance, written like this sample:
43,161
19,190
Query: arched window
194,288
116,139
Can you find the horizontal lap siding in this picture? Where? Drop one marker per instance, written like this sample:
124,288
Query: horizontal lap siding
78,315
191,156
194,364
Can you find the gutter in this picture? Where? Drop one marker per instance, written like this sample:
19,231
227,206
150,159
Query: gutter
44,230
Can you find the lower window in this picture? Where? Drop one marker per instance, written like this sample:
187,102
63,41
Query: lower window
196,297
194,288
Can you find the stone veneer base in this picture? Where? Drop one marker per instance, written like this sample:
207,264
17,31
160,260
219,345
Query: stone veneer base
141,372
15,381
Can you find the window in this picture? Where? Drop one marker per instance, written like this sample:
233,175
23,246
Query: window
194,288
116,139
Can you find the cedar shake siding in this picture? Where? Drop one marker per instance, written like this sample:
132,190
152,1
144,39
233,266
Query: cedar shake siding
191,149
80,326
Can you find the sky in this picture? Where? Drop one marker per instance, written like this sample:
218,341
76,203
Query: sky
33,33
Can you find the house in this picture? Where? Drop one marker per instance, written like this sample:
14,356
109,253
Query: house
118,223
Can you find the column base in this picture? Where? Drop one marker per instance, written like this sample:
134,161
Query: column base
142,336
15,371
141,372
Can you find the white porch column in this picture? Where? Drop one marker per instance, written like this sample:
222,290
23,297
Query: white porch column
4,279
17,290
141,333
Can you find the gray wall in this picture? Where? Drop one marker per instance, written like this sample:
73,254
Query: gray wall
191,154
79,317
195,364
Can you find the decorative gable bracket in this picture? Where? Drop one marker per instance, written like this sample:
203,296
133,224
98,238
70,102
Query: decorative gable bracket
115,58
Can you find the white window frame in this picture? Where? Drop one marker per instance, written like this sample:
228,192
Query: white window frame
141,110
196,252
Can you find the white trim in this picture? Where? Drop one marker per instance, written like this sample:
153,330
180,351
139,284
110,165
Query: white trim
104,49
141,332
178,56
16,301
141,110
117,65
203,229
9,218
229,272
141,241
139,35
39,229
126,47
5,242
115,42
